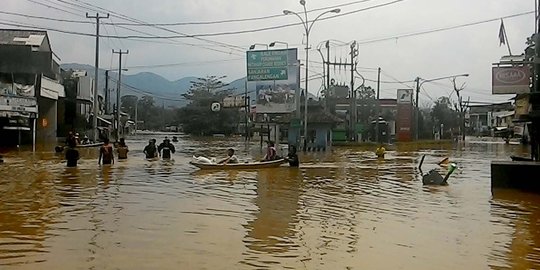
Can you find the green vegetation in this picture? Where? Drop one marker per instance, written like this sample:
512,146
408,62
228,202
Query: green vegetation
197,118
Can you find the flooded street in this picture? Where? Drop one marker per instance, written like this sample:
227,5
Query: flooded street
340,210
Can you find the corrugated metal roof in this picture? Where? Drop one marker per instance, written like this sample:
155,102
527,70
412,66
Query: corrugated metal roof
22,37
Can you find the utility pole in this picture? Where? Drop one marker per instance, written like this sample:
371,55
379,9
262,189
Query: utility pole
246,109
118,90
96,74
352,96
107,94
354,111
535,104
416,124
461,108
328,65
378,105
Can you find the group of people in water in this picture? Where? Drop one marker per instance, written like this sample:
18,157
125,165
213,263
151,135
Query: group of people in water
164,150
106,151
271,154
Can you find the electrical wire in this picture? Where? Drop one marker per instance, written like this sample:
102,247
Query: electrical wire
244,19
198,36
127,18
444,28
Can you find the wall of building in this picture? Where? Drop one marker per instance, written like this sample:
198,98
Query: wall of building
47,121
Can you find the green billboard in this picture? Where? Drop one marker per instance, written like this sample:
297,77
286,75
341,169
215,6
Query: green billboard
267,65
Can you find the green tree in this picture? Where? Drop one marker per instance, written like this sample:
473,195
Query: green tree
197,117
367,104
443,113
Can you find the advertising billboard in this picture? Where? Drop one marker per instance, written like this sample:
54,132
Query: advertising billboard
510,80
274,75
404,123
404,96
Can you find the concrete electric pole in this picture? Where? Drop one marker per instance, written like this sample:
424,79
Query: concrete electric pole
96,74
117,118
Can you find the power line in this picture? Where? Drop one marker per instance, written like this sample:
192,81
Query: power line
93,7
44,18
444,28
185,63
146,92
277,27
127,18
243,19
198,36
45,5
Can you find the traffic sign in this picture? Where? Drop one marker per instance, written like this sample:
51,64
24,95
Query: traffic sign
270,65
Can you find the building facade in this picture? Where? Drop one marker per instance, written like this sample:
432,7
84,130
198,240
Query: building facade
29,87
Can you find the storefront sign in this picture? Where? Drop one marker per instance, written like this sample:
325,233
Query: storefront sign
510,80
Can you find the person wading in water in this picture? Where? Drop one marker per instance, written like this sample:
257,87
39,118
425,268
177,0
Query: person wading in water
72,155
166,148
150,150
122,149
106,153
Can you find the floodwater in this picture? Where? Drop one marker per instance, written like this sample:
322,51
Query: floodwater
341,210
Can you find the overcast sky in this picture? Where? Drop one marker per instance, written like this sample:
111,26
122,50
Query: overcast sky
469,49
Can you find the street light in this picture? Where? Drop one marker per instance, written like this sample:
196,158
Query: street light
418,85
307,27
279,42
260,44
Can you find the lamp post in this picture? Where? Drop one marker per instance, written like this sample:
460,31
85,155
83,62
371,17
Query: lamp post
418,85
260,44
307,27
273,43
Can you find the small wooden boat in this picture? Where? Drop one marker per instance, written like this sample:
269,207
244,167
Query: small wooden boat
90,145
239,166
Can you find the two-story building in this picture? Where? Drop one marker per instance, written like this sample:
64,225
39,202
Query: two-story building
29,87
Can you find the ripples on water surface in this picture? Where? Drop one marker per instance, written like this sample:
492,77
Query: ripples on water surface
340,210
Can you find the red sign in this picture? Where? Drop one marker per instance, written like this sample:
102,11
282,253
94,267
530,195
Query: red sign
510,80
404,122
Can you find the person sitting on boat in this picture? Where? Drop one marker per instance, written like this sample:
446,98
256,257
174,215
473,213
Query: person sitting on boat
231,157
85,140
292,157
380,151
271,152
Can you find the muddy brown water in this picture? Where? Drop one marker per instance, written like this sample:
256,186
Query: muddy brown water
342,209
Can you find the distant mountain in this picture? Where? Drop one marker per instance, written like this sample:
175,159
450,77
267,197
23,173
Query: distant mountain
154,84
141,83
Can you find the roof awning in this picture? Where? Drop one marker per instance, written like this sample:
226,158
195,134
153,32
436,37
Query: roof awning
505,115
104,121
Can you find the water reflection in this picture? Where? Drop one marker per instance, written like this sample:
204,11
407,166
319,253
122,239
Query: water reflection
273,226
341,209
517,248
26,214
